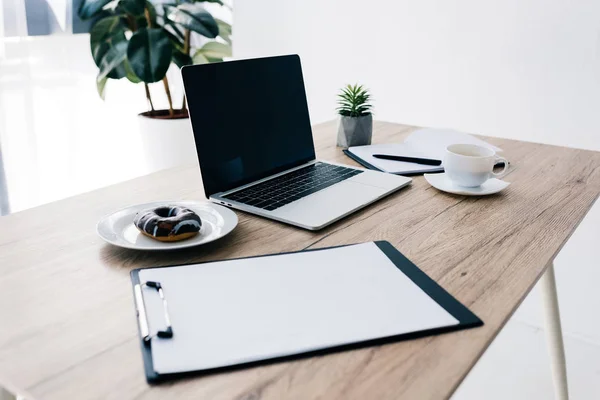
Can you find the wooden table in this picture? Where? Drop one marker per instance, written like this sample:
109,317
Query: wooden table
68,325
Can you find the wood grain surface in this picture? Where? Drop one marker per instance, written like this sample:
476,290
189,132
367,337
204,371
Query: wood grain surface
68,327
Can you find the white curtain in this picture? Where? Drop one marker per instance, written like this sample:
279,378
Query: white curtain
13,19
13,22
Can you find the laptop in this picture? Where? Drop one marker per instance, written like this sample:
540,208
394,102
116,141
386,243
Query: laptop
255,145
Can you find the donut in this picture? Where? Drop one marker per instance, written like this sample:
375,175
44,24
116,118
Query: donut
168,223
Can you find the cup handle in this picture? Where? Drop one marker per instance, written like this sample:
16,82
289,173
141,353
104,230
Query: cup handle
499,160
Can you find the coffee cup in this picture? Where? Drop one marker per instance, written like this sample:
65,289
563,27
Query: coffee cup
470,165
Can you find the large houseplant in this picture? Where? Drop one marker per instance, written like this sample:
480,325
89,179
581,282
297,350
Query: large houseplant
139,39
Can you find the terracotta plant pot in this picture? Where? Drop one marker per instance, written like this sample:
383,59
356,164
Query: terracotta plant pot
355,131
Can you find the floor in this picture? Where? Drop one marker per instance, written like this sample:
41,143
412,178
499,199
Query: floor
58,139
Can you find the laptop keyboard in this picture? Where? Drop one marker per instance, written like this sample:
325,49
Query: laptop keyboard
278,192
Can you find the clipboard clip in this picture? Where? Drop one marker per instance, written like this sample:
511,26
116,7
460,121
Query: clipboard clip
143,316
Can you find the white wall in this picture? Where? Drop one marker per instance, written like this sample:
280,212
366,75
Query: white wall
526,69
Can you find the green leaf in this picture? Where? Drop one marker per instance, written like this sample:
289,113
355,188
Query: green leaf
149,53
200,58
177,45
175,41
105,29
89,8
134,7
118,71
101,85
215,50
113,58
104,34
176,32
129,74
169,26
353,101
99,51
224,30
194,17
181,59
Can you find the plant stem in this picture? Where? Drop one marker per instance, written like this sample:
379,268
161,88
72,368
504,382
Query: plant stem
148,19
168,91
132,23
165,80
186,49
134,28
186,41
148,96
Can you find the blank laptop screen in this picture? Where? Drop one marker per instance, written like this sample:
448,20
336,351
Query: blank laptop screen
250,119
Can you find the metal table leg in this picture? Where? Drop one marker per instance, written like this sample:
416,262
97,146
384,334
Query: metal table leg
554,334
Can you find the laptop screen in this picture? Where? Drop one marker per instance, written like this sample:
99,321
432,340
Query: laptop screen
250,119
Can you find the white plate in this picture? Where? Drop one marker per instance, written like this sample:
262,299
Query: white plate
443,183
118,229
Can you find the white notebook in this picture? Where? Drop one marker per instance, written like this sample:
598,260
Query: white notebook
422,143
242,311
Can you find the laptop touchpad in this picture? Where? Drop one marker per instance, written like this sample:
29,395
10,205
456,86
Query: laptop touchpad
335,201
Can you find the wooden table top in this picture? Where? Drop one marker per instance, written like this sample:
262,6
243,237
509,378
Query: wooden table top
68,324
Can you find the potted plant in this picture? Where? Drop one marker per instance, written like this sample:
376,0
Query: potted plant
139,40
356,121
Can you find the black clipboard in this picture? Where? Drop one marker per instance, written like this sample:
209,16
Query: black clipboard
466,318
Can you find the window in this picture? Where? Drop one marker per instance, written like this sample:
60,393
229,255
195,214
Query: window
40,17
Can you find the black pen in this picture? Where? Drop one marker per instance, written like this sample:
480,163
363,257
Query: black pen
416,160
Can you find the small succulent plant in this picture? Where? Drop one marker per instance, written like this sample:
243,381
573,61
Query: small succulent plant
354,101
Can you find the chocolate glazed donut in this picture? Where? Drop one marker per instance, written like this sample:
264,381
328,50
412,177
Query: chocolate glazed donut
168,223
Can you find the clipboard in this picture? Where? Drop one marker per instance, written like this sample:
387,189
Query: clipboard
381,272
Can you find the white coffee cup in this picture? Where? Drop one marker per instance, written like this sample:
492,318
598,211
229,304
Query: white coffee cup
470,165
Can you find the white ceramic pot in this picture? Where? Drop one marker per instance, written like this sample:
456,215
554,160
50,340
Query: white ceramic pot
167,143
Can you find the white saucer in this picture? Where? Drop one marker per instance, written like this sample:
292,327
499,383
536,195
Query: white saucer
443,183
118,229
